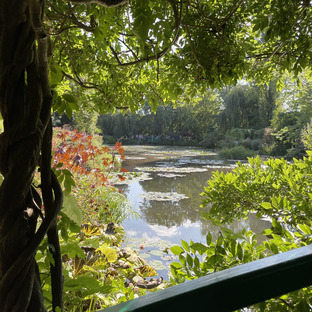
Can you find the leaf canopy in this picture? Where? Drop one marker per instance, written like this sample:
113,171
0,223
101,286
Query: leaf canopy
159,51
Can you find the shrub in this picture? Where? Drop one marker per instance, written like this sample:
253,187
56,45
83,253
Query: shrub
95,268
211,139
254,145
238,152
273,188
94,168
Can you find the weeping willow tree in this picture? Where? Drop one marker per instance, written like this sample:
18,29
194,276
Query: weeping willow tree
52,52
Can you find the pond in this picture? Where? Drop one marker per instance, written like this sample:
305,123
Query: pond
165,192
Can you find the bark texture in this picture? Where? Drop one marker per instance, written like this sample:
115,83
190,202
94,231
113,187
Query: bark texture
25,104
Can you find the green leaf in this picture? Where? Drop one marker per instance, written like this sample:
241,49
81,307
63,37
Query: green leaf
239,251
274,248
86,284
69,98
73,250
176,265
226,231
305,229
176,250
56,74
110,253
142,19
199,247
71,209
189,260
185,245
196,263
220,240
182,260
213,261
267,232
208,238
266,205
68,181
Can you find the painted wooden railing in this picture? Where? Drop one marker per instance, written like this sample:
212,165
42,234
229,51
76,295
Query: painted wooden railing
231,289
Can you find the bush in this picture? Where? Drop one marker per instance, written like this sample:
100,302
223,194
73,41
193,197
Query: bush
95,267
238,152
306,136
210,140
254,145
107,139
274,189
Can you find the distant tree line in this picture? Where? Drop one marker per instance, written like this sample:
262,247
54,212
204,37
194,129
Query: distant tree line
241,121
204,122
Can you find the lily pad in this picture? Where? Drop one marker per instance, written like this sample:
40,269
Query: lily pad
157,265
159,196
172,169
157,253
221,166
132,177
170,175
135,158
145,255
168,258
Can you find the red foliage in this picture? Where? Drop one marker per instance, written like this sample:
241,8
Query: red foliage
77,153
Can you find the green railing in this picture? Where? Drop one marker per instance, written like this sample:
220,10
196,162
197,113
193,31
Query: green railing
231,289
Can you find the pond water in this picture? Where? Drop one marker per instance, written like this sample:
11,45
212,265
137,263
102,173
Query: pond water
165,193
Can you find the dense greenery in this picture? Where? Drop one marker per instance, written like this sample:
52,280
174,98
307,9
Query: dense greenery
95,267
272,189
205,121
240,121
81,54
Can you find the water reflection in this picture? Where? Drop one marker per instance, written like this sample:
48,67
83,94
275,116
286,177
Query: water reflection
176,219
172,221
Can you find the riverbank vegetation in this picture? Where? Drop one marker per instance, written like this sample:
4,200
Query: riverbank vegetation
239,121
97,272
274,189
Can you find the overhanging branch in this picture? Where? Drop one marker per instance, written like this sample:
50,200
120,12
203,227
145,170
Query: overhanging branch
104,3
156,56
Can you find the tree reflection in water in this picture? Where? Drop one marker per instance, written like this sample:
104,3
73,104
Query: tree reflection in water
181,217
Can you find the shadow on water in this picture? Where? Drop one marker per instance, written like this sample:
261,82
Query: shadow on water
163,222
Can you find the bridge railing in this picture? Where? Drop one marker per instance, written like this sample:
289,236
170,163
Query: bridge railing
231,289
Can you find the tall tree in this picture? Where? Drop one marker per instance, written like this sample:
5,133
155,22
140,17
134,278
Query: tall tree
248,106
151,51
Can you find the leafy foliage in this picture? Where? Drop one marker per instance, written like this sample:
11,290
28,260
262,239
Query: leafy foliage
275,189
159,51
97,271
94,168
238,152
95,268
155,51
306,136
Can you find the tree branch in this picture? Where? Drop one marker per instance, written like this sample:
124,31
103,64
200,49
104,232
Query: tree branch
104,3
71,17
156,56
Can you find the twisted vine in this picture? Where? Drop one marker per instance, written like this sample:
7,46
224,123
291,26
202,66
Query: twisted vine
25,145
25,103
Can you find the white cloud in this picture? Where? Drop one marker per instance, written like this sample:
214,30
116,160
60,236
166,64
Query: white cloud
165,231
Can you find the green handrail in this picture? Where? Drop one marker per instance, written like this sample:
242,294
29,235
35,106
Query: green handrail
231,289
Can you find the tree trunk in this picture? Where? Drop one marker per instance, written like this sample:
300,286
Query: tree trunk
25,104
